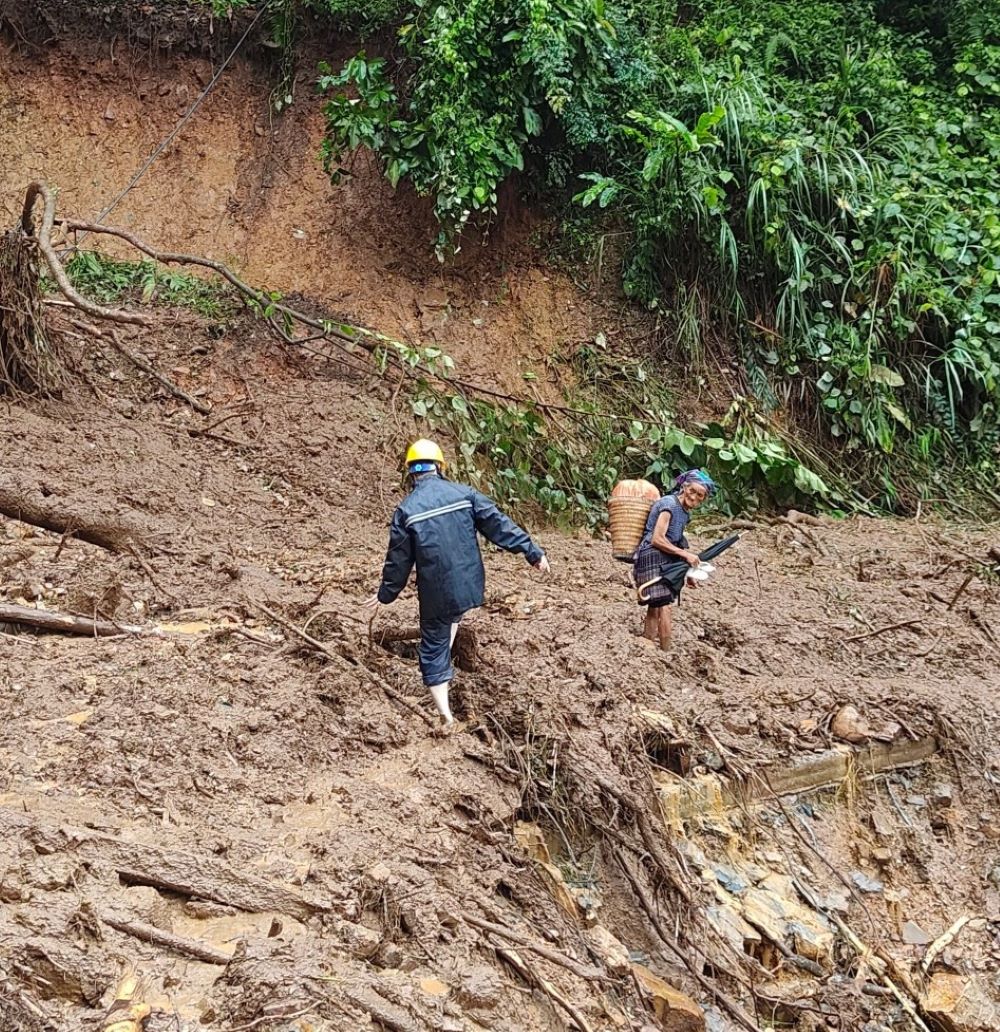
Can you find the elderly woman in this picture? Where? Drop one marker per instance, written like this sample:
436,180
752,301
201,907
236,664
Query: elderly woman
664,537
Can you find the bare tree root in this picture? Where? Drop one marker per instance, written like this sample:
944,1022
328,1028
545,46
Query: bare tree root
43,239
27,360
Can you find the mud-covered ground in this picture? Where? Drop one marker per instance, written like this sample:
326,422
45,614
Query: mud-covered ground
223,781
269,832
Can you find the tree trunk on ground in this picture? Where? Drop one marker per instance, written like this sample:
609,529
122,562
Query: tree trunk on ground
19,502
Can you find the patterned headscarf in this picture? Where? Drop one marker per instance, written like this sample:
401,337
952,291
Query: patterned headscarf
695,476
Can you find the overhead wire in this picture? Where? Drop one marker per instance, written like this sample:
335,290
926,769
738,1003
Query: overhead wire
185,118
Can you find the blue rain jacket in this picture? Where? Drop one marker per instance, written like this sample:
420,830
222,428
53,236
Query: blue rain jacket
434,528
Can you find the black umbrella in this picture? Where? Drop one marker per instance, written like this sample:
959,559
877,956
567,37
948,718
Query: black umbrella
674,571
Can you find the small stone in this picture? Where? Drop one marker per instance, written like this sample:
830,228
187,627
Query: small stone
866,884
849,726
675,1011
959,1004
389,955
361,942
914,935
612,952
942,796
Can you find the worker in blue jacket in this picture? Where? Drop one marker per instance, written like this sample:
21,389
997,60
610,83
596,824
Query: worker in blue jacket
434,529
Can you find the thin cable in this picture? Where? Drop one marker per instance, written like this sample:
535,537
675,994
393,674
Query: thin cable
177,128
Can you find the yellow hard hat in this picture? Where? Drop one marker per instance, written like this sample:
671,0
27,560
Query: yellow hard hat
424,451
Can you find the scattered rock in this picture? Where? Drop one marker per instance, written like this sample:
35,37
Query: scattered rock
675,1011
942,796
613,954
866,884
914,935
389,955
959,1004
481,988
849,726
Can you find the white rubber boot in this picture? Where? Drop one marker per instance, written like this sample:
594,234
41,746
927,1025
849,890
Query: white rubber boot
439,692
454,631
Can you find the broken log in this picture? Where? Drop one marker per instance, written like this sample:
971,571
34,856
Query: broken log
189,874
465,650
45,620
158,937
683,799
28,505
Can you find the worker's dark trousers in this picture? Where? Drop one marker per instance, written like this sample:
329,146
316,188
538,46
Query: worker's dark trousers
436,637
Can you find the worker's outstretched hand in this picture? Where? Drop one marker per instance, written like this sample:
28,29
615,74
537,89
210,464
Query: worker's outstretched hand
370,603
542,566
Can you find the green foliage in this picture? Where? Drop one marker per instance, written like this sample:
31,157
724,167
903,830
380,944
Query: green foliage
108,282
840,203
565,462
480,80
816,183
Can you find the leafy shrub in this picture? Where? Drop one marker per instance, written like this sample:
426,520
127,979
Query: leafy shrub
479,80
108,281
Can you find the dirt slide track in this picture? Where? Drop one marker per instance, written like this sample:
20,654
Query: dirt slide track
274,843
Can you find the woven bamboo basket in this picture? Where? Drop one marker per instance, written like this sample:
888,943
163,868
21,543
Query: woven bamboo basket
628,523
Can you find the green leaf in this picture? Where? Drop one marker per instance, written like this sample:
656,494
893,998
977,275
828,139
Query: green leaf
882,374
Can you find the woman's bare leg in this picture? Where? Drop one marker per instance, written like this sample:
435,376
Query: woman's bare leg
664,626
650,625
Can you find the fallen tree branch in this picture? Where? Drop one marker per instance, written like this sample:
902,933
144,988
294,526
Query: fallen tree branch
28,505
875,959
341,660
649,836
43,619
532,977
158,937
734,1009
147,367
43,238
590,974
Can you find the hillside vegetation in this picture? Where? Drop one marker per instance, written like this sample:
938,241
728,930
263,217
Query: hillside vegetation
813,188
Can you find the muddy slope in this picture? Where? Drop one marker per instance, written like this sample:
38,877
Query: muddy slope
225,784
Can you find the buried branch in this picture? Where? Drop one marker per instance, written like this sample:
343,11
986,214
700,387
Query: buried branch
44,620
29,505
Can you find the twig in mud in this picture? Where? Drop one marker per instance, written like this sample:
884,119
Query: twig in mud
882,630
534,978
137,555
942,942
342,660
734,1009
958,594
19,638
590,974
157,937
276,1017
